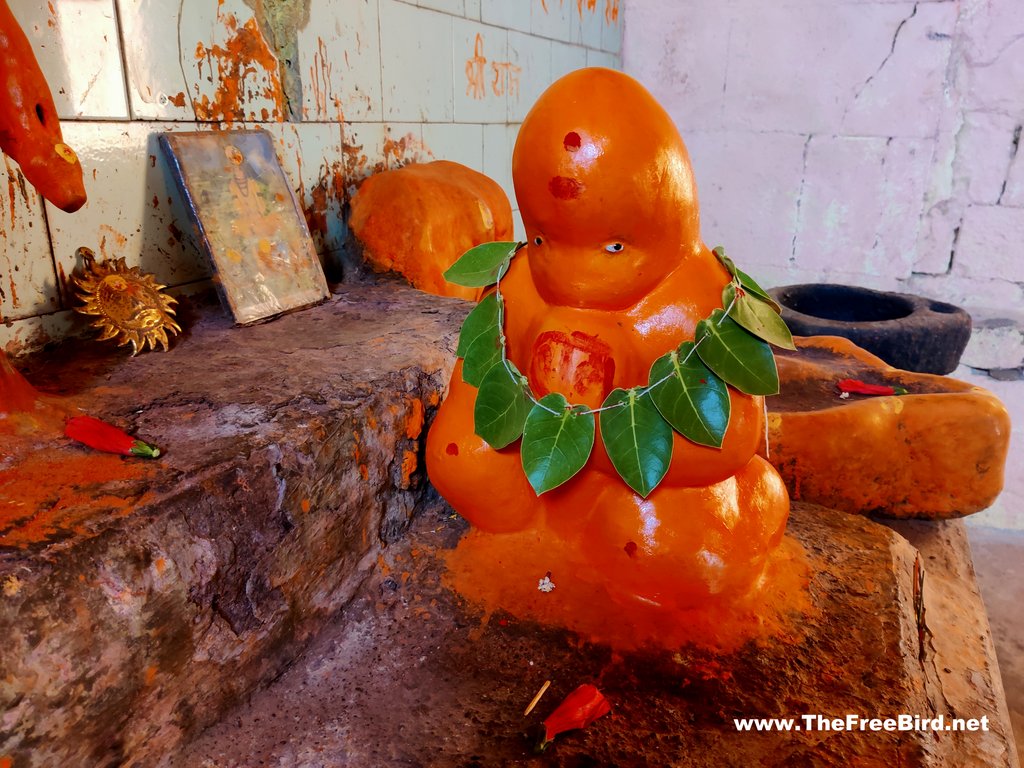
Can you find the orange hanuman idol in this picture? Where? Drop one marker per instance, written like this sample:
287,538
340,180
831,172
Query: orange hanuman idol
614,275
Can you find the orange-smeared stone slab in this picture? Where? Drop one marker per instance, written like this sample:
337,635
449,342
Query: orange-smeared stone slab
419,219
936,452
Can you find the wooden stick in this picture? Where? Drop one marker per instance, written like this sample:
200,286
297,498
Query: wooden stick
541,692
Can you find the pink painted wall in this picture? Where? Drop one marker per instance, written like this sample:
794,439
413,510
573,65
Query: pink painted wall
851,141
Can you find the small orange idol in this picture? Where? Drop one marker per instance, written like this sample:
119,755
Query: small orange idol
613,276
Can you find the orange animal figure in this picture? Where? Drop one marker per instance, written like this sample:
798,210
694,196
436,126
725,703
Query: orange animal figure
29,128
614,275
30,134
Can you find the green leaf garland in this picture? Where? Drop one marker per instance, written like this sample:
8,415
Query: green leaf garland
557,442
638,440
686,389
692,399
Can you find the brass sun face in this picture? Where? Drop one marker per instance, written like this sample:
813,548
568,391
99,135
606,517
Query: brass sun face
127,303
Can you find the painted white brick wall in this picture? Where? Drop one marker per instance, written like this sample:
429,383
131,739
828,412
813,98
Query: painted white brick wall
377,83
857,141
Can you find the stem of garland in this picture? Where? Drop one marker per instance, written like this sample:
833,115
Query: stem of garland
640,392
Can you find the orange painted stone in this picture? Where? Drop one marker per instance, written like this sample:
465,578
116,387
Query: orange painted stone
614,275
417,221
937,452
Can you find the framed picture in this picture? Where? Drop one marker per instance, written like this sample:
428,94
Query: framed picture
248,222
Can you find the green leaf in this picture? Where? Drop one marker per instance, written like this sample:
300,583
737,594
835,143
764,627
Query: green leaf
556,445
501,406
481,266
737,356
758,317
637,438
482,320
752,287
483,349
693,400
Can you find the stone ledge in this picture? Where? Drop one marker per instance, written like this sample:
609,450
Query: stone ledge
415,675
140,600
997,340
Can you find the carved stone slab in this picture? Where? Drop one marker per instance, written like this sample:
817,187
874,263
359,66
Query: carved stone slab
413,676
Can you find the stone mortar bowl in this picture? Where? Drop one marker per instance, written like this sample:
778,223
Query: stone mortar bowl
907,331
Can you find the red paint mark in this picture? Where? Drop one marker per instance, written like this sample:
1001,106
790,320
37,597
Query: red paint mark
506,78
156,201
572,141
452,449
630,548
475,86
565,188
244,55
305,505
323,90
152,161
579,360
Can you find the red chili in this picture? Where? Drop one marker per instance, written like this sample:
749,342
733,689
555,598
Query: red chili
858,387
580,708
106,437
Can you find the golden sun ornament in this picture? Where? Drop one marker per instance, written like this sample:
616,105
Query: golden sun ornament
127,303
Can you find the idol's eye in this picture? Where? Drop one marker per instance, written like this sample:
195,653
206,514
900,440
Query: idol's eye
614,247
538,240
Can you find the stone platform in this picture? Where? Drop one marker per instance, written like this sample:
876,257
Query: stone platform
414,676
140,599
141,602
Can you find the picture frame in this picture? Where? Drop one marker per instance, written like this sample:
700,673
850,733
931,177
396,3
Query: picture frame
248,222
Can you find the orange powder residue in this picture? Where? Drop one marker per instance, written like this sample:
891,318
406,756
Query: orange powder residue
60,490
503,571
414,421
408,467
245,54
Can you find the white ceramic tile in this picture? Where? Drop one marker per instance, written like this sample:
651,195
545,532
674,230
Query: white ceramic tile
33,333
339,55
592,21
480,68
566,59
416,63
509,14
28,281
134,210
602,59
459,142
210,58
557,20
454,7
157,87
611,30
473,9
498,143
313,159
532,55
76,45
